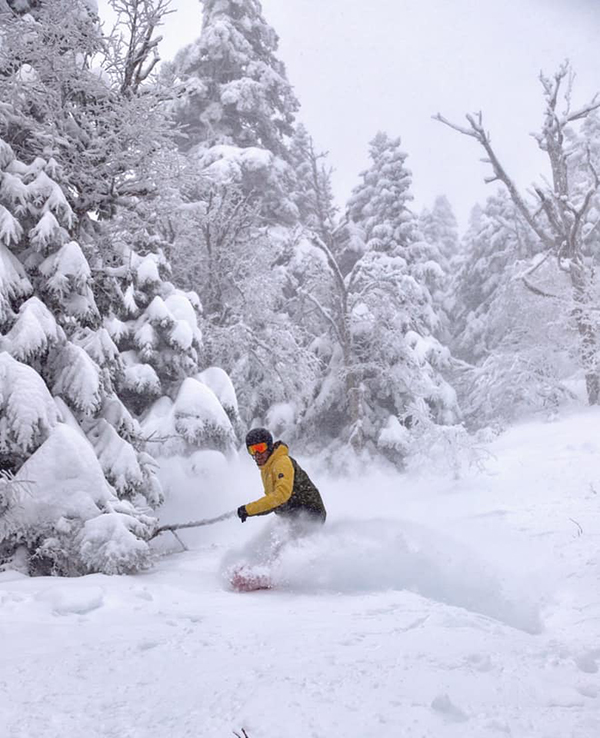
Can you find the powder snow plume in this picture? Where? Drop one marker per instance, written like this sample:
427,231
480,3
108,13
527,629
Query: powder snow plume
351,556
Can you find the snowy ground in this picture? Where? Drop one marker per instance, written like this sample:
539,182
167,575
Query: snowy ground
425,607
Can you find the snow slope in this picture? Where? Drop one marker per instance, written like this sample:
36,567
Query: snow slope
426,607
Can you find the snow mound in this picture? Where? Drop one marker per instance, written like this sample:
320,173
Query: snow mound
68,600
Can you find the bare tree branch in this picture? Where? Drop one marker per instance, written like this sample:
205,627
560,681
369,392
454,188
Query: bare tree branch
323,312
537,290
478,132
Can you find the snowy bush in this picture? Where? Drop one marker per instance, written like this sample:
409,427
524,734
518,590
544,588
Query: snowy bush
394,438
506,386
445,449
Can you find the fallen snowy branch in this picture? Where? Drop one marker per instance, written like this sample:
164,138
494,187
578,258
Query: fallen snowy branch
195,524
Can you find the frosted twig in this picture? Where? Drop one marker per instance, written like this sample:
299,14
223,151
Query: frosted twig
579,528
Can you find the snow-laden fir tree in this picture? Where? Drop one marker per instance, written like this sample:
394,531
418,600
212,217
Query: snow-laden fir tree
313,192
89,144
439,228
156,326
383,365
157,330
235,107
57,391
495,241
235,89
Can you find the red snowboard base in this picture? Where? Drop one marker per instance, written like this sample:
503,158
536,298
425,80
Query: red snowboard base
245,579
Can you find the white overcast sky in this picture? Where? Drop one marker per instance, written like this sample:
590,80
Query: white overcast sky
360,67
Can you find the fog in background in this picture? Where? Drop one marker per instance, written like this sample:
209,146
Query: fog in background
391,64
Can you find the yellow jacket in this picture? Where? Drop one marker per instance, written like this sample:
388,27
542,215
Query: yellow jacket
278,481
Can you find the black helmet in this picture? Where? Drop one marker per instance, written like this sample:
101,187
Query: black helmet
259,435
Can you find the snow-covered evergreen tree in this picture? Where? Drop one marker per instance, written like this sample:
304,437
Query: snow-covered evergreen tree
236,90
383,364
313,194
82,262
52,344
439,228
236,108
156,325
495,241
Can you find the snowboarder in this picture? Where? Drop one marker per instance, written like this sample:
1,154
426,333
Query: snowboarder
289,492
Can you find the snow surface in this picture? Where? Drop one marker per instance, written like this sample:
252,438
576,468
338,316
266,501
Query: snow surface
425,607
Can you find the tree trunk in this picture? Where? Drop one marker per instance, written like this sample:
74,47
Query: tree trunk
587,332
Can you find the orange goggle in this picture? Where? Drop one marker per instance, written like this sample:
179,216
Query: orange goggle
257,448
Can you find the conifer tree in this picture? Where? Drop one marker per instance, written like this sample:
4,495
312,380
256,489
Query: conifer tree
313,194
439,229
155,325
235,88
53,345
236,108
384,365
83,157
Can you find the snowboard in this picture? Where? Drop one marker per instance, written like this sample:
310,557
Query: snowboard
246,579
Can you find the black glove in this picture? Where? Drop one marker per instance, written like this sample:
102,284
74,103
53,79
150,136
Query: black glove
242,513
